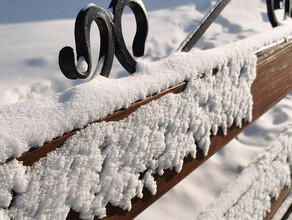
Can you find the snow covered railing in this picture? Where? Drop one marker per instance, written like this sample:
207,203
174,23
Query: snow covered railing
250,195
82,174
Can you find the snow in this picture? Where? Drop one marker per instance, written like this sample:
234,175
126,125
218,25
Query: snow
82,65
3,215
88,6
36,51
118,152
85,103
249,196
123,150
31,38
98,68
198,26
12,178
102,163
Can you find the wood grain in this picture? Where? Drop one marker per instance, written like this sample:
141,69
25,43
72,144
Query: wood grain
273,82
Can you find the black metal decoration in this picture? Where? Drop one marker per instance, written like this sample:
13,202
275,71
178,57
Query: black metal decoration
277,5
112,41
82,40
138,47
195,36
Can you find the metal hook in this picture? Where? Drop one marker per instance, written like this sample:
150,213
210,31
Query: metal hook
121,51
82,39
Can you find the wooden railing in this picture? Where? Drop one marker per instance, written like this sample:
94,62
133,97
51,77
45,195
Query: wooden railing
273,82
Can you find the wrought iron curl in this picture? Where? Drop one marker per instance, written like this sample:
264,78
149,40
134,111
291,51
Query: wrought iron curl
274,5
82,40
138,47
112,40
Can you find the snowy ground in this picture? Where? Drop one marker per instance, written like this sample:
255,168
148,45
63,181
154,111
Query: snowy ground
33,32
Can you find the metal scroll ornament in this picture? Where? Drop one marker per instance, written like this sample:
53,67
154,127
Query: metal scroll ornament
82,40
112,40
278,11
139,42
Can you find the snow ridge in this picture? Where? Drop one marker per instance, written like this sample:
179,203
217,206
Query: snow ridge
249,196
103,163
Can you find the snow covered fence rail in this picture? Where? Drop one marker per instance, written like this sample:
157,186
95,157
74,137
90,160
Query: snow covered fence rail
269,87
67,175
250,195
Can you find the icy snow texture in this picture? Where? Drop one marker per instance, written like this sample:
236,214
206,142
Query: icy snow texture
249,196
74,108
4,215
12,178
82,65
102,164
22,93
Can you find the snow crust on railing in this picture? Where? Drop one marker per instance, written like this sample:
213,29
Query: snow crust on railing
103,163
250,195
30,124
12,179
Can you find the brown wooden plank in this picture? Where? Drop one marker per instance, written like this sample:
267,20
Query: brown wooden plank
274,77
273,82
275,203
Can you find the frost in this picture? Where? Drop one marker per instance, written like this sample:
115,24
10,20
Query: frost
249,196
12,179
4,215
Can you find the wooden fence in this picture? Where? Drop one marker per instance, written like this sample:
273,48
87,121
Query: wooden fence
273,82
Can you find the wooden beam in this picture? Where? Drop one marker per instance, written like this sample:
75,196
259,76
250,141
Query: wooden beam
275,203
273,82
